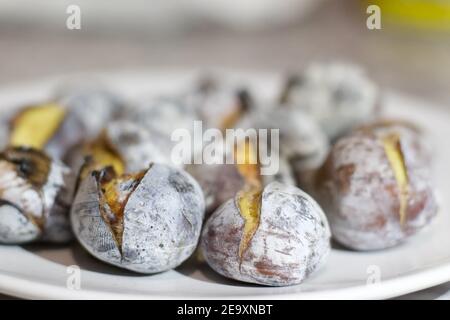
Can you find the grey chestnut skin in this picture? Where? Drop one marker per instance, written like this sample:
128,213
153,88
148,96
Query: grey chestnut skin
88,110
219,101
338,96
33,203
162,116
160,225
290,242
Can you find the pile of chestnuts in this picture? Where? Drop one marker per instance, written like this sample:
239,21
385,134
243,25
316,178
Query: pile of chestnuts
91,166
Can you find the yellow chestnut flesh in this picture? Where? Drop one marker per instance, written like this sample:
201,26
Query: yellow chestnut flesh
231,119
393,150
103,155
35,126
115,192
247,163
249,198
249,202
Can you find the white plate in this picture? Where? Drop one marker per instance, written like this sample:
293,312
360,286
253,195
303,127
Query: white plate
424,261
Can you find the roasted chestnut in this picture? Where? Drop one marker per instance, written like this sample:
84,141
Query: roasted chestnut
146,222
376,186
122,144
161,116
302,143
33,205
221,182
275,236
91,107
338,96
58,126
220,104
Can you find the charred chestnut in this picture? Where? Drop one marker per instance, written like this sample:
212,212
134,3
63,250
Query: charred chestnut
32,202
146,222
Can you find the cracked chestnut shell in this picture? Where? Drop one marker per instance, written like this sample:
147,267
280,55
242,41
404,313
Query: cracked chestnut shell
146,222
122,144
221,182
302,144
59,125
276,236
33,206
376,186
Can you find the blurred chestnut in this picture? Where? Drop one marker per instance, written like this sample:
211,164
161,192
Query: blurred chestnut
376,186
57,126
219,103
221,182
302,143
162,116
32,202
338,96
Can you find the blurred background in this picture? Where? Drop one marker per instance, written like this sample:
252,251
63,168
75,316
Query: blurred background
410,53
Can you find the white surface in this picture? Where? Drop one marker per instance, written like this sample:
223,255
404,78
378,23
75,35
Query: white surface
422,262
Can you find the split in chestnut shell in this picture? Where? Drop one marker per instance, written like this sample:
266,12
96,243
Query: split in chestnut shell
33,205
376,186
285,243
153,224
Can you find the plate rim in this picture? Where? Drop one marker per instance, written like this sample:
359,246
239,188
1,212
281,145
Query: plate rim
393,287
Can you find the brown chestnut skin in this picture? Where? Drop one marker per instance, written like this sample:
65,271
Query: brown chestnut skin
283,245
376,186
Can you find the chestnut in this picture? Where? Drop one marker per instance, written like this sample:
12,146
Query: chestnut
219,103
338,96
90,107
221,182
57,126
162,116
32,202
122,145
376,186
274,236
303,145
147,222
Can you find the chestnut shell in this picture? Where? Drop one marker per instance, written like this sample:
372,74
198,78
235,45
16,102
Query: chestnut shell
290,243
358,190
